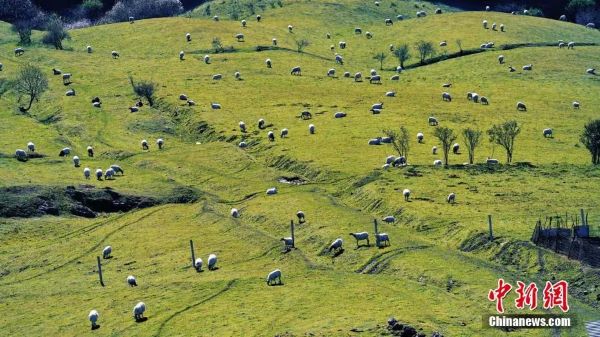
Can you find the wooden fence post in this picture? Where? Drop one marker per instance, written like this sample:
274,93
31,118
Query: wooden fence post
292,230
193,255
491,227
375,225
100,271
583,219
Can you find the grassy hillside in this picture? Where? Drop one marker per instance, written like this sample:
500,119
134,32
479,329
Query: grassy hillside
427,278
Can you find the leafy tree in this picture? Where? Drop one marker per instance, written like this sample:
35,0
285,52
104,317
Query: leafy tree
400,141
31,81
472,139
301,44
92,8
55,32
504,135
447,137
576,5
144,89
402,53
591,139
217,45
381,56
425,49
23,28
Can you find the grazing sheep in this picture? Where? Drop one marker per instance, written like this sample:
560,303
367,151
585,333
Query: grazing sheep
389,219
1,66
21,155
421,14
237,75
399,162
235,213
145,145
207,59
591,25
494,26
66,79
339,114
502,27
89,49
131,19
311,129
106,252
134,109
446,97
432,121
216,18
272,191
188,37
563,18
243,23
373,72
160,142
273,276
399,17
385,166
70,92
528,67
336,245
395,78
358,77
434,150
76,161
360,237
181,55
485,24
576,105
357,30
390,94
115,54
258,18
97,104
305,115
261,123
406,194
331,72
19,51
271,136
591,71
86,173
451,198
437,163
56,71
288,243
198,264
109,174
521,106
390,159
501,59
96,100
274,41
389,22
64,152
283,133
239,37
90,151
99,174
296,71
571,45
217,77
456,148
443,44
138,311
525,12
131,281
369,35
491,161
375,141
290,28
117,169
377,106
339,59
484,100
475,98
215,106
243,144
30,147
487,8
470,96
183,97
375,79
382,239
212,262
301,216
438,11
511,69
268,63
399,69
391,47
547,133
93,317
420,137
242,126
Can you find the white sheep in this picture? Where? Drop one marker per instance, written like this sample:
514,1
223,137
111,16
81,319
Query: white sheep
235,213
400,161
336,245
188,37
290,28
106,252
87,172
521,106
576,105
131,281
501,59
117,169
494,26
502,27
451,198
446,97
331,72
375,141
361,236
484,100
138,311
434,150
339,114
301,216
115,54
271,136
268,63
273,276
243,23
591,25
66,78
571,45
216,18
563,18
145,144
456,148
21,155
432,121
242,126
215,106
311,129
131,19
487,8
591,71
339,59
296,71
382,239
64,152
390,159
99,173
89,49
181,55
406,194
288,242
243,144
237,75
212,262
239,37
375,79
400,17
420,137
198,264
97,104
547,133
217,77
109,174
19,51
443,44
369,35
93,317
70,92
283,133
561,45
385,166
134,109
272,191
528,67
389,22
485,24
358,77
491,161
437,163
31,147
261,123
90,151
160,142
258,17
274,41
389,219
76,161
207,59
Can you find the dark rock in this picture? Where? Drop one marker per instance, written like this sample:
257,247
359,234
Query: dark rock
408,331
82,211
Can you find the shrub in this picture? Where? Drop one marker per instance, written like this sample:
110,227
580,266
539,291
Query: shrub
55,32
142,9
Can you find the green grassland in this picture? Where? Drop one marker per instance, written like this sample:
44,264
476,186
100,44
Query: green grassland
435,275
